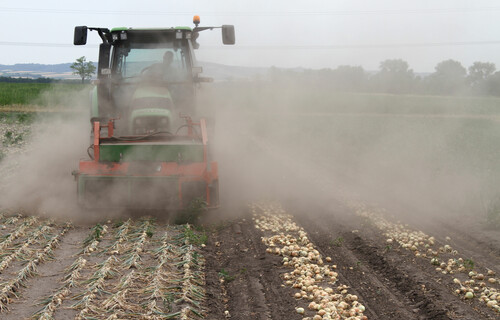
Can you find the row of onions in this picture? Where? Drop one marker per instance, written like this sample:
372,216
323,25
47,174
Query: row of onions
20,231
48,237
51,303
95,288
319,294
24,249
135,276
121,302
94,238
157,291
191,294
485,286
137,241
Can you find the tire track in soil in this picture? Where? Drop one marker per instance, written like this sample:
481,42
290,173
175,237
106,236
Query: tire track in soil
401,278
257,291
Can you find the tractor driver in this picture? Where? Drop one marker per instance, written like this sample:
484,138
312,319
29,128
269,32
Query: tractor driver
168,58
163,70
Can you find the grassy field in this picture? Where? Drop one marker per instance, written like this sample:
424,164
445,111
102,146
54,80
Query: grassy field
268,97
20,93
39,94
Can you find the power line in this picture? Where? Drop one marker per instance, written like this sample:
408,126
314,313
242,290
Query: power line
367,46
256,13
288,47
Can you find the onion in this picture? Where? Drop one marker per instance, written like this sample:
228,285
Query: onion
491,303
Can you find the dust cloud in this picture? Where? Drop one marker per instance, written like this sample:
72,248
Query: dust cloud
40,180
305,146
299,145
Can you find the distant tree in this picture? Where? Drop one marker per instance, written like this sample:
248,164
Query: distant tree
395,76
396,66
448,78
83,69
349,78
491,85
479,74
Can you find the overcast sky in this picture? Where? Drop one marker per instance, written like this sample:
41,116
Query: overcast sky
282,33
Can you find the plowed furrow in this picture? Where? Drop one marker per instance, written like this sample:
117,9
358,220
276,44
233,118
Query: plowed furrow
250,277
380,295
365,254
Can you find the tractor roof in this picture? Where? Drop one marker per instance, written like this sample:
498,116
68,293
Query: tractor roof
149,35
173,29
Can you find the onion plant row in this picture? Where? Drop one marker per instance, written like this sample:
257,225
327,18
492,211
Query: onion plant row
126,272
31,258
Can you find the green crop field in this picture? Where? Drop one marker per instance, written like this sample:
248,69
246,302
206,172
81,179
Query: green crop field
41,94
20,93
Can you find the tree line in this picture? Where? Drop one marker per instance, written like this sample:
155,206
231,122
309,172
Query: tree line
37,80
27,80
395,76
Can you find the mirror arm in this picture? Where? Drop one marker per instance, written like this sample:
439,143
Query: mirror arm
104,33
198,29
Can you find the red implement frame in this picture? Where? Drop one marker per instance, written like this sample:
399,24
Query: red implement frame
184,172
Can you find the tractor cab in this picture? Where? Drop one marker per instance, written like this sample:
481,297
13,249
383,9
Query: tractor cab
149,80
146,77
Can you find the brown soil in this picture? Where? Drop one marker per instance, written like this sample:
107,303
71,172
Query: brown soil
390,282
252,288
243,281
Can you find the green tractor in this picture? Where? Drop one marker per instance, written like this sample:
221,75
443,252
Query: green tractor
146,150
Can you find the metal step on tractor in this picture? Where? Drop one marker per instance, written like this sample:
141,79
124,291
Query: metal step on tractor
146,150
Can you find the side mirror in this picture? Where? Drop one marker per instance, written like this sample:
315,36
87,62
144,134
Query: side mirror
80,36
228,34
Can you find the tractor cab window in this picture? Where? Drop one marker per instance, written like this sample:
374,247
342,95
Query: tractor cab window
152,63
151,84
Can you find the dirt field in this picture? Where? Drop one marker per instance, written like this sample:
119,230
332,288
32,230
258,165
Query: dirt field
137,269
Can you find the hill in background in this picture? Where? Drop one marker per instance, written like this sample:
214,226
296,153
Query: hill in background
63,71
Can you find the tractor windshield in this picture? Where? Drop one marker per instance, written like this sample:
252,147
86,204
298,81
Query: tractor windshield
152,62
152,83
